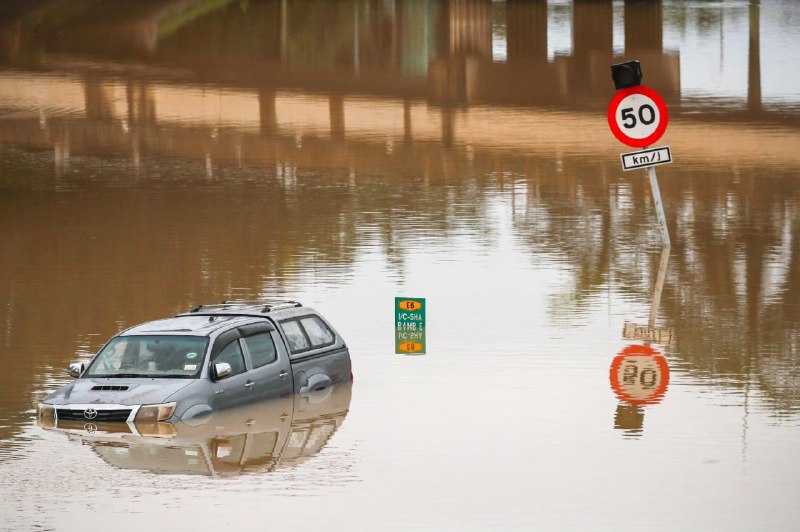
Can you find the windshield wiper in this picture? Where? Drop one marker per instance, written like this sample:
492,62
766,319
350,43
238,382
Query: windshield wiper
123,375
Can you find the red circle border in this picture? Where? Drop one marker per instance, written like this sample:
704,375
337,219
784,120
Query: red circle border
662,110
639,350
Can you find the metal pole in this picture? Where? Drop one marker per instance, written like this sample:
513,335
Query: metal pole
662,275
662,219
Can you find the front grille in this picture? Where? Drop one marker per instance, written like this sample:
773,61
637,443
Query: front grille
65,414
109,388
91,427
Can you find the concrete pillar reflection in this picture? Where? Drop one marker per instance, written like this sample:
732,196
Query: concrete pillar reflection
644,40
644,22
99,99
592,23
419,28
284,30
268,116
592,45
447,127
407,133
470,27
336,104
446,79
61,155
754,59
13,40
526,30
141,103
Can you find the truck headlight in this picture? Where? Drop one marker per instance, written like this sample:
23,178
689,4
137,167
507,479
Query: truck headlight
46,415
155,413
156,430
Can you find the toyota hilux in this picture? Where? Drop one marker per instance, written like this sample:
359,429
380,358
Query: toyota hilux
208,359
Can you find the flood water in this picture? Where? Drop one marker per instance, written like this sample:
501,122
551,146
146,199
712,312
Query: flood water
157,155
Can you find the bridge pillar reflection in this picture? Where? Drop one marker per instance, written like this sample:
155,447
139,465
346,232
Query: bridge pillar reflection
448,128
644,25
141,103
754,59
592,32
526,30
526,76
592,45
644,40
268,116
13,40
407,131
464,39
98,98
469,27
336,106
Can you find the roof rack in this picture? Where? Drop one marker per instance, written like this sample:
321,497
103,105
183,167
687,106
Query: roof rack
261,306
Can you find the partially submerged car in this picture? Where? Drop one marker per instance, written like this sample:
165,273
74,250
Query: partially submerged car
208,359
255,438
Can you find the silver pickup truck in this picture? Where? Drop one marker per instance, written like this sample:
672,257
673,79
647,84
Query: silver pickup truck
211,358
257,438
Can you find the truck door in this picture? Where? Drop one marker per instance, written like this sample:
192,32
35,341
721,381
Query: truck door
237,388
271,373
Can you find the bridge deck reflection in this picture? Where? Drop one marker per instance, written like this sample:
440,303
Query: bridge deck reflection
196,121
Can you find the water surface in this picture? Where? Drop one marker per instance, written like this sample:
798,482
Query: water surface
158,155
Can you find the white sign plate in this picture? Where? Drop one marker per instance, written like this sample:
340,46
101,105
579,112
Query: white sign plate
645,158
658,335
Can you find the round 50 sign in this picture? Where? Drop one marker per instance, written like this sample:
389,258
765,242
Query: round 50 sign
637,116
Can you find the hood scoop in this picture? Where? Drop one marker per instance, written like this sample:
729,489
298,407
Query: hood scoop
109,388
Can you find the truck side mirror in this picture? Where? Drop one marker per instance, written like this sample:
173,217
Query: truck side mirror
75,369
221,370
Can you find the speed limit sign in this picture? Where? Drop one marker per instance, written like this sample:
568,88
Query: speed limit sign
639,375
637,116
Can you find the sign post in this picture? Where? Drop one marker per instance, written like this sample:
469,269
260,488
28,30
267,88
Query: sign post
638,117
650,333
662,218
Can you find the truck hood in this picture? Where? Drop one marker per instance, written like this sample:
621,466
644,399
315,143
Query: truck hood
139,392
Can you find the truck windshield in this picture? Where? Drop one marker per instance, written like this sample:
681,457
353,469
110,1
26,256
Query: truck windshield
150,356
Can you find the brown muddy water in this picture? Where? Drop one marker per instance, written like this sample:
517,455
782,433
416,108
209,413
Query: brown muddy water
156,155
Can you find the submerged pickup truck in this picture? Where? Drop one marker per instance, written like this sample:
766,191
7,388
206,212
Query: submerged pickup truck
255,439
208,359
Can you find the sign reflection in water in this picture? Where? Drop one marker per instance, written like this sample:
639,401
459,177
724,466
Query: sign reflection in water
639,374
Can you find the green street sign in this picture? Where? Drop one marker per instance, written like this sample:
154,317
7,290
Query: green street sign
409,325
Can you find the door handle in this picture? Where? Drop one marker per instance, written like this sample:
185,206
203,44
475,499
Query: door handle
283,374
249,385
316,383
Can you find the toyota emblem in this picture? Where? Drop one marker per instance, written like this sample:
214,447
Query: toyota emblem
90,413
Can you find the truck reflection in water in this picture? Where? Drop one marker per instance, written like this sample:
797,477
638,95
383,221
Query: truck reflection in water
257,438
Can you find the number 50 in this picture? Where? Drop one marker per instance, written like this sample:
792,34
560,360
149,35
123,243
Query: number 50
630,119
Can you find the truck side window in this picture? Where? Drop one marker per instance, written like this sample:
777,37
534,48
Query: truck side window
262,349
317,331
232,354
297,338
